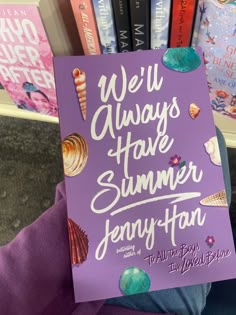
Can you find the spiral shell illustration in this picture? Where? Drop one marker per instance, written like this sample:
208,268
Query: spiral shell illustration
80,84
218,199
75,154
78,241
194,111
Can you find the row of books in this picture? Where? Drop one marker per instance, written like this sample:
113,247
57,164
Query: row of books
34,33
111,26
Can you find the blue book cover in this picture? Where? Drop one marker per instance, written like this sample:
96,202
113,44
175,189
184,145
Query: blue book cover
105,22
200,11
160,16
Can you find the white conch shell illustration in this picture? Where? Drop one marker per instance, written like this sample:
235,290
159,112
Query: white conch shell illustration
194,111
75,154
218,199
80,83
212,148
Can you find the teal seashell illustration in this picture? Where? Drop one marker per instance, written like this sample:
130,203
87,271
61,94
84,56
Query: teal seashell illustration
184,59
134,280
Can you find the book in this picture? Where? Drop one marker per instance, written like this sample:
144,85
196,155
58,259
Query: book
182,18
160,21
59,24
106,27
122,23
200,10
26,64
217,38
145,190
140,24
87,27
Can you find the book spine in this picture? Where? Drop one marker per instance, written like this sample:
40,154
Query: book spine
106,26
140,24
160,17
122,23
197,23
86,25
182,17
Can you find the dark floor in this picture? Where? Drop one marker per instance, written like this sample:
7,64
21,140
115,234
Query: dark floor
30,168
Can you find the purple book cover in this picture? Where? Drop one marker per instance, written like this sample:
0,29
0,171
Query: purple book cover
147,208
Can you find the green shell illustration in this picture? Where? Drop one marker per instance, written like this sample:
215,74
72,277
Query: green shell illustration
184,59
134,280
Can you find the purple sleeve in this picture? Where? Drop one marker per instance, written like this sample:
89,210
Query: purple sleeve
35,269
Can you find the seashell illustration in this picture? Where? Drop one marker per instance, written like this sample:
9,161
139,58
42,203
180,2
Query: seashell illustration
78,242
212,148
75,154
218,199
134,280
194,111
80,84
181,59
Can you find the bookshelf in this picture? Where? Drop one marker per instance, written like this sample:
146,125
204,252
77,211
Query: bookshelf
61,29
8,108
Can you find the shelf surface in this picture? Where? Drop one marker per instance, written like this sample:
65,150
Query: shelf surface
8,108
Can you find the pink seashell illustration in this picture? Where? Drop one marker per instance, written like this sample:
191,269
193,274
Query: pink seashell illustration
78,241
194,111
80,83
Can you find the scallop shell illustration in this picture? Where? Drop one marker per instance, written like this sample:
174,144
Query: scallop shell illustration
75,154
78,241
218,199
194,111
80,84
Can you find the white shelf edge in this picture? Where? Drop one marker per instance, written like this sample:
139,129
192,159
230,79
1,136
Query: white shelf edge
8,108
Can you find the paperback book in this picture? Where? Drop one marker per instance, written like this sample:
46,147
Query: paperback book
122,23
26,63
106,26
87,27
140,24
217,37
147,208
182,18
160,22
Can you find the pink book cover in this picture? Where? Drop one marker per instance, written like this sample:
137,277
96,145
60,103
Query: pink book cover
26,59
87,27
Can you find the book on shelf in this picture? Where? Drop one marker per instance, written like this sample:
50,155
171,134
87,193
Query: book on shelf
160,22
140,157
87,27
122,25
182,19
106,26
217,38
59,24
140,24
26,63
200,10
